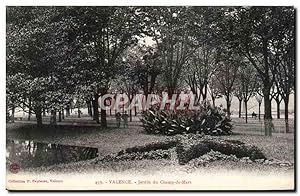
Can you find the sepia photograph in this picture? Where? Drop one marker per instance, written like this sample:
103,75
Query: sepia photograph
150,98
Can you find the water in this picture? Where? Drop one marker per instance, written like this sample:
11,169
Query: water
35,154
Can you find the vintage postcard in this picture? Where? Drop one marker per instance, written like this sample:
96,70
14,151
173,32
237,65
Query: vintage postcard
138,98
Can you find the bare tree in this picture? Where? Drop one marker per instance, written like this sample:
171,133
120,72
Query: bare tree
201,67
259,99
285,80
225,78
247,79
239,95
170,29
214,91
276,96
257,34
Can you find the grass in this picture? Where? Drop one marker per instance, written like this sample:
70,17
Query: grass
108,140
161,166
111,140
279,147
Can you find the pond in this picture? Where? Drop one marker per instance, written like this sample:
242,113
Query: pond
35,154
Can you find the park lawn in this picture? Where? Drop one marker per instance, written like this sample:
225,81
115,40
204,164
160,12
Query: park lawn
159,167
162,166
280,146
108,140
112,140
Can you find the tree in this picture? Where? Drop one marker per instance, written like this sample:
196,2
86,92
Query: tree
103,34
200,68
144,67
214,90
252,32
170,28
275,94
238,92
226,75
259,98
126,84
203,62
285,80
247,81
32,74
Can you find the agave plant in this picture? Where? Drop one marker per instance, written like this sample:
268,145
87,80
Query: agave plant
208,120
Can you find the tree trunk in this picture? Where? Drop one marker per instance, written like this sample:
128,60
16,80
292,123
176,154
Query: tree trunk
96,108
62,114
79,116
267,85
278,108
240,108
214,101
286,114
268,113
39,119
110,106
228,104
92,111
53,117
44,112
204,95
29,110
130,115
170,92
12,114
89,107
7,115
103,118
59,116
259,105
246,112
130,110
67,111
135,112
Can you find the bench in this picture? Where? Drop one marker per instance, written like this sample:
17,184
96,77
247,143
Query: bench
243,115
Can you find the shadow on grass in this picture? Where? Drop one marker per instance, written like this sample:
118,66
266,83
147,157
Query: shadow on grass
30,131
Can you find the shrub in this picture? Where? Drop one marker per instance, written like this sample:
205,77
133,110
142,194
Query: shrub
153,155
232,147
187,151
135,155
185,155
208,120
